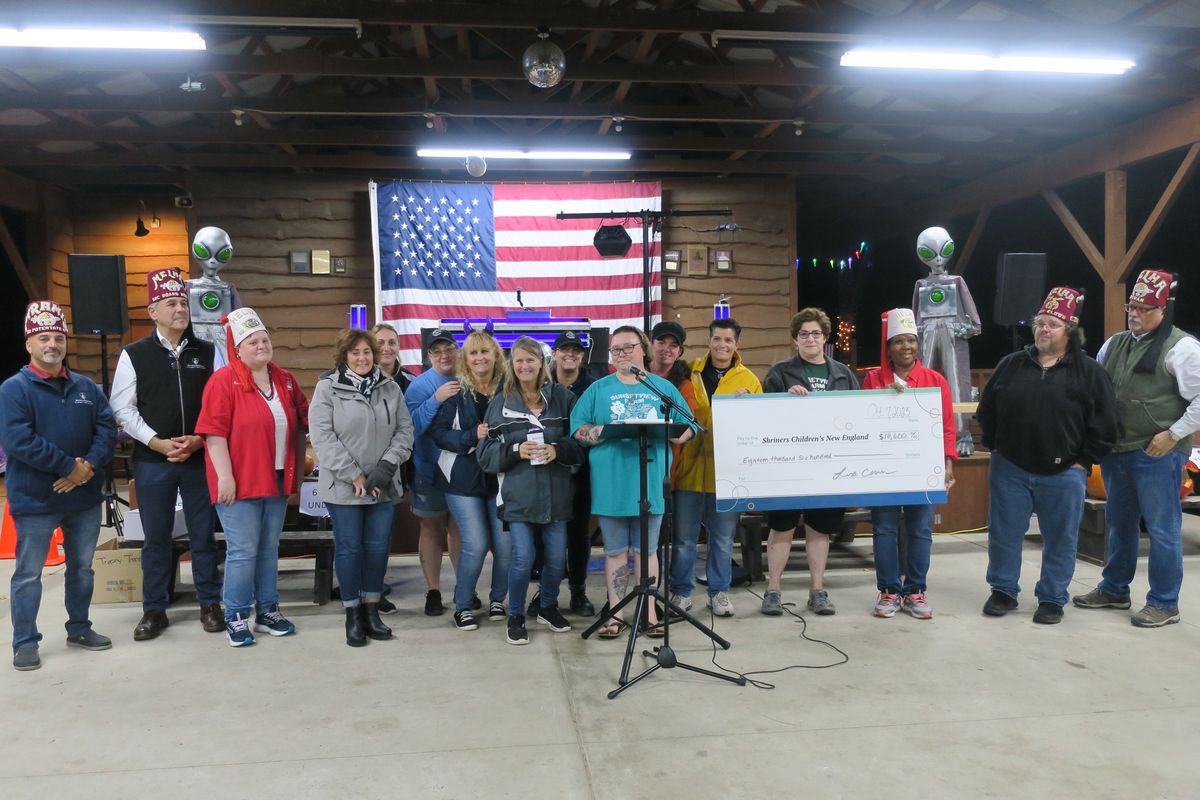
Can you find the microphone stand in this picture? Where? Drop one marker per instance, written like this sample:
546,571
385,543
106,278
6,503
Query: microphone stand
664,655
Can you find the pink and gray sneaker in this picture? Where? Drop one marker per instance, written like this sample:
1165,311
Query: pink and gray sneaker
887,605
916,605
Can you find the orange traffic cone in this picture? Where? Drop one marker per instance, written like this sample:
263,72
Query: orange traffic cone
8,542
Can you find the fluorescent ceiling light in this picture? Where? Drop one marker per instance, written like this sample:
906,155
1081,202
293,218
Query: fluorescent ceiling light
104,38
979,62
539,155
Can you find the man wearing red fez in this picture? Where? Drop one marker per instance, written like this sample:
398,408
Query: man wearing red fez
1156,370
59,434
156,396
1048,415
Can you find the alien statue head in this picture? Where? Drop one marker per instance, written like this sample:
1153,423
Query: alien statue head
935,248
213,249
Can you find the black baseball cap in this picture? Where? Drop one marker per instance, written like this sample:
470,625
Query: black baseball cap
568,339
669,328
438,335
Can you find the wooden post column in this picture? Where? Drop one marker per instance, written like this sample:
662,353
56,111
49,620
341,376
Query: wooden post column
1115,245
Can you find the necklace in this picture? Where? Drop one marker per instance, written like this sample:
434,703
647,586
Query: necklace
265,395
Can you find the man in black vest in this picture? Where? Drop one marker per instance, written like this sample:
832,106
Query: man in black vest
156,396
1155,368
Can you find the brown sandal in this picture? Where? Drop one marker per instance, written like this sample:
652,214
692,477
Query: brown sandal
612,629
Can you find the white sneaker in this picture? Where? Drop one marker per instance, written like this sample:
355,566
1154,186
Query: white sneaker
721,605
683,603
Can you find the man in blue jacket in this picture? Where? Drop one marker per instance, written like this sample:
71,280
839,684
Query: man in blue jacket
59,433
423,397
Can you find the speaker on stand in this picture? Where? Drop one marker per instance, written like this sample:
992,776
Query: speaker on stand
1020,289
98,308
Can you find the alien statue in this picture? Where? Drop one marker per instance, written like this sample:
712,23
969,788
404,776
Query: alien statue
946,318
209,297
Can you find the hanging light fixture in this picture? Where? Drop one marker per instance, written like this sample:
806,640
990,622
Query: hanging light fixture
544,63
141,229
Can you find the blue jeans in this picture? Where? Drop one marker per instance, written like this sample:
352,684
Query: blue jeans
554,540
622,534
252,528
480,528
918,541
692,508
157,484
80,530
1014,495
1139,486
362,537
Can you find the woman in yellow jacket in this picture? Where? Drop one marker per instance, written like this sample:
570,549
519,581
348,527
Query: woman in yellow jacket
719,372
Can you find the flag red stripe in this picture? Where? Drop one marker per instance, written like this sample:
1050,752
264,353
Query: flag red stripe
585,252
576,191
594,312
553,224
576,283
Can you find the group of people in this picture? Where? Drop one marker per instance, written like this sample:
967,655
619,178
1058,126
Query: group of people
509,456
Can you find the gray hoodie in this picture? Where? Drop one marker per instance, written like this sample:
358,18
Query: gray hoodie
352,434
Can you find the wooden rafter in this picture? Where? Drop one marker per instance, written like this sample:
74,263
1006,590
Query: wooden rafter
1159,213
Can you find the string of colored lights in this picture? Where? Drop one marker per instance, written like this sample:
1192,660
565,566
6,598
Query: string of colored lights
860,257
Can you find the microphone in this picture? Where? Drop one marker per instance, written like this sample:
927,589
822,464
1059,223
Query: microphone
522,305
630,369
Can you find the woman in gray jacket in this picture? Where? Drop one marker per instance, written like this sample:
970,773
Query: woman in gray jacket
529,445
362,432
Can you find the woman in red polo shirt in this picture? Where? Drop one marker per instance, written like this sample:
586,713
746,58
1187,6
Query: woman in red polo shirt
253,417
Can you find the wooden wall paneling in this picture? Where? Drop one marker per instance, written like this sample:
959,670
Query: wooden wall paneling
762,286
105,224
267,220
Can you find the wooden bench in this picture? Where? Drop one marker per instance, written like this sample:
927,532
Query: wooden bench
1093,529
292,543
752,538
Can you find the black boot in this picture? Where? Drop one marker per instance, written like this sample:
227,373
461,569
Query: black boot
580,604
372,625
354,628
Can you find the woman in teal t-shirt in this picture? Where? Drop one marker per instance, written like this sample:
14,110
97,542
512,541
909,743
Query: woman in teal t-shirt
615,475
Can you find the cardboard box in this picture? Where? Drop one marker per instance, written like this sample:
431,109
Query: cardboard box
118,574
133,523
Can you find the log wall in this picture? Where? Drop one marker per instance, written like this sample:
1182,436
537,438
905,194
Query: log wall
762,284
268,218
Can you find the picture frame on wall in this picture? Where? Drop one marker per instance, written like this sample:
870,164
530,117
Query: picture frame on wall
672,283
723,261
697,259
671,259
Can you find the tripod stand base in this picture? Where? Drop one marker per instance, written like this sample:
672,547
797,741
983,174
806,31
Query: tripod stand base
664,658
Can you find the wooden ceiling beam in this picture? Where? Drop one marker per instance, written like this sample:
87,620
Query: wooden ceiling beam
227,133
1120,147
391,106
665,165
1159,213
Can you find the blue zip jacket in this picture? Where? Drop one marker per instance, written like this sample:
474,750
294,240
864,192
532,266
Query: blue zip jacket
422,406
44,426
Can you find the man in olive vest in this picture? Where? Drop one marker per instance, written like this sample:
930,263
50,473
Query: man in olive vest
156,395
1155,368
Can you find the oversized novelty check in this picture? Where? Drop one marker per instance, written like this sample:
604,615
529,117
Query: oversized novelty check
828,449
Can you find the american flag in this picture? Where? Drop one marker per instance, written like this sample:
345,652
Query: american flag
455,250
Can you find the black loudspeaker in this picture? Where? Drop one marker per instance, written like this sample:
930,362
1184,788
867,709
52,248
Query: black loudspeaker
98,303
612,240
1020,287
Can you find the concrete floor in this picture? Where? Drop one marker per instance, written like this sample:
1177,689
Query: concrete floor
958,707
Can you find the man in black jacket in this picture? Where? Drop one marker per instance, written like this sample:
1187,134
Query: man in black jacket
1048,415
156,396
